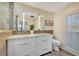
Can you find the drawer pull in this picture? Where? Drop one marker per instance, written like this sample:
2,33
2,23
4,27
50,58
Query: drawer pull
25,44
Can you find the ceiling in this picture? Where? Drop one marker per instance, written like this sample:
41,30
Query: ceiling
48,6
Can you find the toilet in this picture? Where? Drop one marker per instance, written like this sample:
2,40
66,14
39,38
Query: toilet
55,44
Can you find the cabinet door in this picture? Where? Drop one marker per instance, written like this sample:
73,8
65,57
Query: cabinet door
21,47
44,44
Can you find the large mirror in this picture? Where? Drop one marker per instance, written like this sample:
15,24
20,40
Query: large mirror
4,15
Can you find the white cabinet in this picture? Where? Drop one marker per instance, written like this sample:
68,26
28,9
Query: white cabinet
21,47
44,44
29,46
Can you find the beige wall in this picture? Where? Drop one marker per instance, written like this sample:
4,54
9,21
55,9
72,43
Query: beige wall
20,8
60,20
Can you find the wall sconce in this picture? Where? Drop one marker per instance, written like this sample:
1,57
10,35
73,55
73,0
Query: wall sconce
39,22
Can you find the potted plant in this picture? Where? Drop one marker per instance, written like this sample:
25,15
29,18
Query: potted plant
32,28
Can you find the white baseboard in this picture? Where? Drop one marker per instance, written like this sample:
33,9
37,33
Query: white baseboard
74,52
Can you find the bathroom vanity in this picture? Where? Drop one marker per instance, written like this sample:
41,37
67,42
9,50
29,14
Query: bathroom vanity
29,45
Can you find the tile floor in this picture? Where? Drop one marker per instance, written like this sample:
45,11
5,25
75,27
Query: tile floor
59,53
53,53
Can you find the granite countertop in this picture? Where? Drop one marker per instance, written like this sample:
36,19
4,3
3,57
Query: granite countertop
27,35
4,31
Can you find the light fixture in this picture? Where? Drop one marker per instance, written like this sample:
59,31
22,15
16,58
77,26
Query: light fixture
39,18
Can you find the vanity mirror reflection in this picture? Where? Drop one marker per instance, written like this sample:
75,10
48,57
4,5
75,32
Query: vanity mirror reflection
23,22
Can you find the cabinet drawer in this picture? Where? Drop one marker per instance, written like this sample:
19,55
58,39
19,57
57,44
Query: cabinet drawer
20,50
44,50
44,39
44,43
31,53
22,40
21,46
